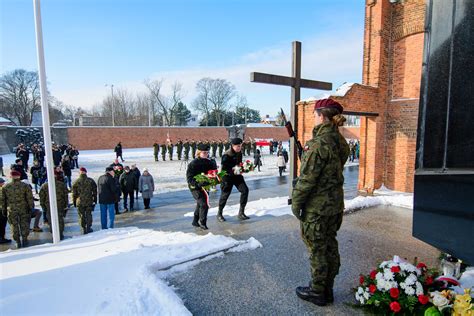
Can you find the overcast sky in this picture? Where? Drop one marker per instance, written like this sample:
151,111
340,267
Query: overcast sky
90,43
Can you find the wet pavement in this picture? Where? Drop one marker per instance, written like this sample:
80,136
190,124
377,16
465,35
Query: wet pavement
262,281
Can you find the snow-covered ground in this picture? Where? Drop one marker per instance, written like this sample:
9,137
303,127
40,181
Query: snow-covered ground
279,206
110,272
168,175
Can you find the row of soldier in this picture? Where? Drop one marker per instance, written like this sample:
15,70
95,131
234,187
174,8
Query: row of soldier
186,149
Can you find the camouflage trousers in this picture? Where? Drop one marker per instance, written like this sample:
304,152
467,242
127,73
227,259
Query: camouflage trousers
320,239
60,219
19,221
85,217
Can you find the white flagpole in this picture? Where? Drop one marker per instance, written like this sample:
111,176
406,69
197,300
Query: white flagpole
46,126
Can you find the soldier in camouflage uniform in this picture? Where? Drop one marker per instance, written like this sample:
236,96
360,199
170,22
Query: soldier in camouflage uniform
227,145
187,148
170,150
214,148
163,151
156,150
193,148
17,202
61,201
221,147
84,197
318,200
179,148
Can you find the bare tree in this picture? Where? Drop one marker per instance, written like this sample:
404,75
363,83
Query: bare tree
161,104
19,96
201,103
144,105
176,98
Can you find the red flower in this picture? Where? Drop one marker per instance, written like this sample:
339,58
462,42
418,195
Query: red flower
361,280
372,288
373,274
394,292
421,266
395,307
395,269
423,299
429,280
248,161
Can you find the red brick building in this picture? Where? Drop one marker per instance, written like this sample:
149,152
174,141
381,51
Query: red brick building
392,62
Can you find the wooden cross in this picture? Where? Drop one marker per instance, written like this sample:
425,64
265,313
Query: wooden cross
295,82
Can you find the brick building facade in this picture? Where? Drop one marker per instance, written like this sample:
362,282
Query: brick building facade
392,64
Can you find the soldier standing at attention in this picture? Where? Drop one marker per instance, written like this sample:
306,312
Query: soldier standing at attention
221,147
187,147
17,202
170,149
214,148
3,217
193,148
231,159
84,197
163,151
61,200
156,150
318,200
179,148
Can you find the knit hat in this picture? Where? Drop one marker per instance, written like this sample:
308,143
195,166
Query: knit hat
236,141
328,104
82,169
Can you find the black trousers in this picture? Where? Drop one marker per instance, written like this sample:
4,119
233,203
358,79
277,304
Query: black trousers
3,225
200,212
226,188
146,203
126,195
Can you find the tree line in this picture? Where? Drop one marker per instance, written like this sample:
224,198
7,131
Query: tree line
217,102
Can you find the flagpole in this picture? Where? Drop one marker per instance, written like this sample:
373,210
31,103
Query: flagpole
46,125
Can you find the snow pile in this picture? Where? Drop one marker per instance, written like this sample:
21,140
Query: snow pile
279,206
467,279
114,272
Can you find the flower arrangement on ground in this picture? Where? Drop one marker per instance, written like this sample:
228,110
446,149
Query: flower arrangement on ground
244,167
397,287
210,180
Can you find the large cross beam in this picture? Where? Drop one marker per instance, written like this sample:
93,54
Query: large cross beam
296,83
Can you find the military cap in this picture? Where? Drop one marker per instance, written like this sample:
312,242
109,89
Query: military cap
328,104
82,169
236,141
15,174
203,147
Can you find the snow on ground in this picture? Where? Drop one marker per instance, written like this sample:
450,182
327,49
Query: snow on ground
168,175
279,206
110,272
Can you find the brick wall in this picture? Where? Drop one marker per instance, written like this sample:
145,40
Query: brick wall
88,138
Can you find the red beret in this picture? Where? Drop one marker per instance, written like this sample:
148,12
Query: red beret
58,173
328,104
82,169
15,174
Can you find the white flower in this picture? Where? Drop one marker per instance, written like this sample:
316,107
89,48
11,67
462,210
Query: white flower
411,279
379,276
419,288
360,290
403,285
409,290
388,275
439,300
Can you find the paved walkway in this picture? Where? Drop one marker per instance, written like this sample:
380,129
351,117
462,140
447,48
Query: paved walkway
262,281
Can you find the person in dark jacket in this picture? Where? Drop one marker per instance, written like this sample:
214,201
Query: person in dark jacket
137,174
57,156
128,183
108,195
66,167
37,175
230,160
24,155
257,159
118,151
202,164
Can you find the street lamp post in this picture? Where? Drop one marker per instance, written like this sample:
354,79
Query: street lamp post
113,103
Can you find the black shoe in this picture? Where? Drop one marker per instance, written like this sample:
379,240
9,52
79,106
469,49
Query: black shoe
307,294
195,224
242,216
25,243
220,218
117,213
18,244
126,210
90,230
5,241
202,225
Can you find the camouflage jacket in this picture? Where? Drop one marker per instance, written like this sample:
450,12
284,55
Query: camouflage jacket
84,191
16,196
319,188
61,196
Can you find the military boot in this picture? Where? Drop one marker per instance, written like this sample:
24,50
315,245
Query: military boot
220,218
195,221
202,224
328,291
308,294
242,215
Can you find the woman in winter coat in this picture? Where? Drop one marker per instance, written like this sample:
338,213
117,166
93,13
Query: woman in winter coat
146,185
257,159
281,164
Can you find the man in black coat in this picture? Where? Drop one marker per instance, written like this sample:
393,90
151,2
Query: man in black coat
136,172
18,166
118,151
108,196
202,164
231,159
128,183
